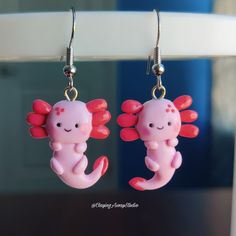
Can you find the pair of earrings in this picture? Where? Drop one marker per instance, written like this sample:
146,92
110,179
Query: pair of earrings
70,123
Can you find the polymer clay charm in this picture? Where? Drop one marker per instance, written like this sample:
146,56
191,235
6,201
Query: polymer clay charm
69,124
158,122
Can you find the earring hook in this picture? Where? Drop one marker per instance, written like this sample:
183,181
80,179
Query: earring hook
156,50
69,69
158,69
73,26
158,27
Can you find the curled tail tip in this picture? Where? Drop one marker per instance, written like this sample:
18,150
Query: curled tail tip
105,161
135,183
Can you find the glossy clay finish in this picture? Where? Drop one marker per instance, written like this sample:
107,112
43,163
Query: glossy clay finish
158,123
69,124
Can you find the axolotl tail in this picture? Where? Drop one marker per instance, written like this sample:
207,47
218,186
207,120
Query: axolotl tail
155,182
100,167
78,179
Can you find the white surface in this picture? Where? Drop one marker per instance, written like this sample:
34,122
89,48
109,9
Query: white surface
115,35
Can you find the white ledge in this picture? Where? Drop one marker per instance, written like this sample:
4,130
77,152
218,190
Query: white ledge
115,35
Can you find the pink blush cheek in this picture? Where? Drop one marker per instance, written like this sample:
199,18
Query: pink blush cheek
144,131
56,134
176,127
85,129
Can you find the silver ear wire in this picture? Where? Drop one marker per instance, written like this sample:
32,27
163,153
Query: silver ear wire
157,68
73,26
69,69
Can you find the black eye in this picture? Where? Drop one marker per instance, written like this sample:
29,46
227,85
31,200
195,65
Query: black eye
76,125
169,123
58,124
151,125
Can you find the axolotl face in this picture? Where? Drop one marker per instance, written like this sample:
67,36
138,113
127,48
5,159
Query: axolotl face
69,122
159,120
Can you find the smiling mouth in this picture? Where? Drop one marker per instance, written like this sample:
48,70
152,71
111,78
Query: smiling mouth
67,130
160,128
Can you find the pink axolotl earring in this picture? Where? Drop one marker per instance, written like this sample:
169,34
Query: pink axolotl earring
158,122
69,124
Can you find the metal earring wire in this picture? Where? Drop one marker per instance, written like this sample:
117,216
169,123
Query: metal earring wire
158,68
69,69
